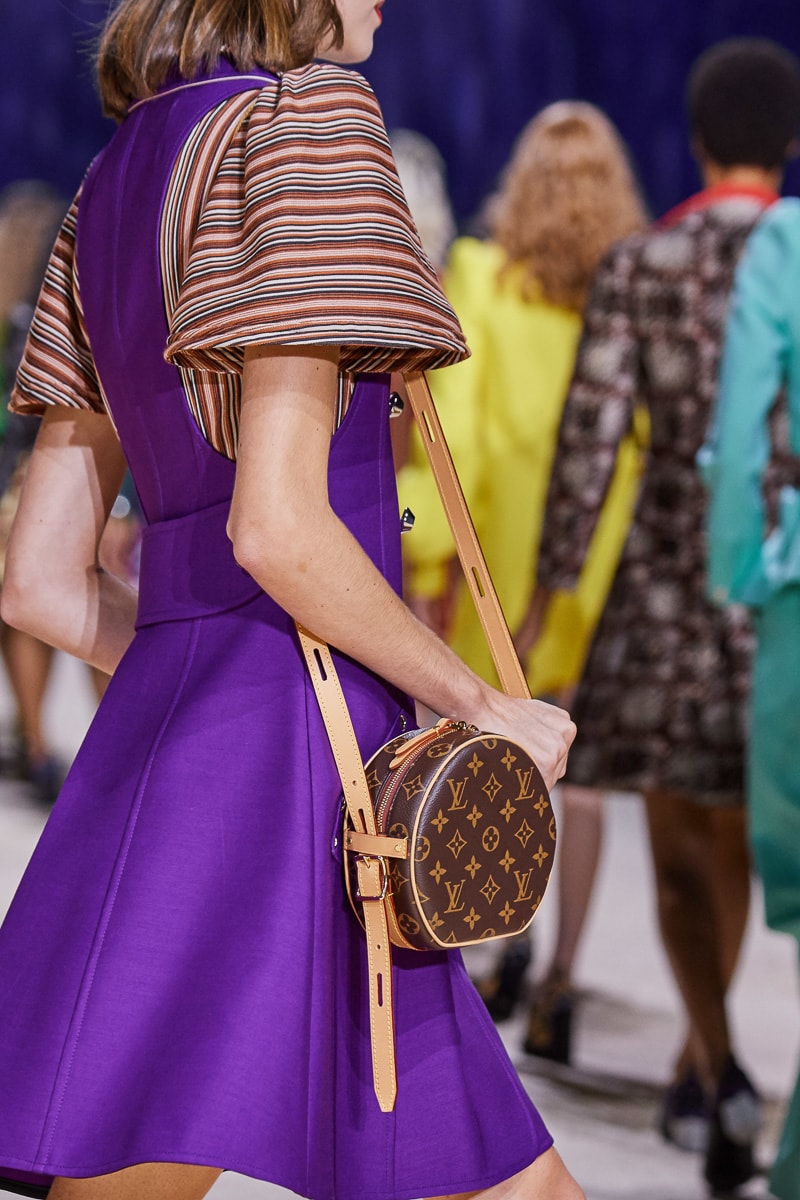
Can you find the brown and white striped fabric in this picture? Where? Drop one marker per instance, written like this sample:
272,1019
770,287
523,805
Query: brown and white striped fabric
57,367
284,223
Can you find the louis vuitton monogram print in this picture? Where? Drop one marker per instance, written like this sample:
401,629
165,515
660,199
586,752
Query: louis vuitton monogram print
481,834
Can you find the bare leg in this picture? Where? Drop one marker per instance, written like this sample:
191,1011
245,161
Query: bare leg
682,845
545,1179
580,839
730,880
549,1033
730,870
147,1181
28,663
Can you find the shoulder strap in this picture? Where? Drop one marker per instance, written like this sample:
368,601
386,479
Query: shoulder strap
375,848
470,554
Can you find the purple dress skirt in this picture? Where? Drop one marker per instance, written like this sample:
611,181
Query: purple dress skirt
181,978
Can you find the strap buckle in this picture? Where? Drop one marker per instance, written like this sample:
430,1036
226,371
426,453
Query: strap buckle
364,878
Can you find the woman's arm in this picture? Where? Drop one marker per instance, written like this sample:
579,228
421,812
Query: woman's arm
54,586
286,535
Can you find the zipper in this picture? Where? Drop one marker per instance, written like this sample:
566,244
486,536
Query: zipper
402,763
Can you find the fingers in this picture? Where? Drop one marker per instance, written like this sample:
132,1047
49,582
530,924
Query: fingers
561,731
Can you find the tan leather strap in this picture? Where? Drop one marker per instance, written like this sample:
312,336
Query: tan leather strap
381,846
371,870
473,564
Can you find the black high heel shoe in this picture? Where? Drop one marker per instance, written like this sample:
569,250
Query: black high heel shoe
685,1116
502,991
550,1022
735,1123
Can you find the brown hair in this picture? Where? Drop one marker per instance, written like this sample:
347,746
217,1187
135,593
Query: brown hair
144,40
567,195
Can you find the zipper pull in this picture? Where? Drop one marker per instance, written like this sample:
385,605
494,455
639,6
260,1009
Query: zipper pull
419,742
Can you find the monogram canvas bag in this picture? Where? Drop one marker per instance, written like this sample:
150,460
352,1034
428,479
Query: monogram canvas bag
448,833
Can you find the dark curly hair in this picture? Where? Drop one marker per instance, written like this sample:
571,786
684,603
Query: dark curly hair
743,99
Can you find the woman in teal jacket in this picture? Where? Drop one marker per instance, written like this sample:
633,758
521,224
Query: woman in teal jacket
754,559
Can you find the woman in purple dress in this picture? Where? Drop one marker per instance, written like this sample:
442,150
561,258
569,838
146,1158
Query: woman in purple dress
182,986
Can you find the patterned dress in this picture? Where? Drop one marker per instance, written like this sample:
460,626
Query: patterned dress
662,702
181,978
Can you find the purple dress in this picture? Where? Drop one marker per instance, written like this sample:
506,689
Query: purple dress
181,978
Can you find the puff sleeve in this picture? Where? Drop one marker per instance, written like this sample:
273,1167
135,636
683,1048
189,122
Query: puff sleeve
306,239
57,365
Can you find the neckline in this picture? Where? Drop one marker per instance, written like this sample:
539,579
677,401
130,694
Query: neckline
713,195
224,72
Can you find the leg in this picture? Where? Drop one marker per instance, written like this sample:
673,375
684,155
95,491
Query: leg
730,882
545,1179
580,839
681,838
147,1181
549,1033
28,663
729,876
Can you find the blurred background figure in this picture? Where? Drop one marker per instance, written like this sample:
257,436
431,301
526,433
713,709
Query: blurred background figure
661,705
423,175
568,193
754,559
30,214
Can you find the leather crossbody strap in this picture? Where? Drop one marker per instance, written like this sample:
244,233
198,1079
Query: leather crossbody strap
473,564
373,848
372,872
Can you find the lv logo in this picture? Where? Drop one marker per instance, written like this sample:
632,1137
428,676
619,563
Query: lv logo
457,787
454,891
523,879
526,789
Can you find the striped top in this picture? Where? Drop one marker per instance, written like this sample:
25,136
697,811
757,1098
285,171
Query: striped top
284,223
57,365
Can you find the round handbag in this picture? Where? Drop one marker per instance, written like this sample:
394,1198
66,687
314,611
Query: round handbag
480,832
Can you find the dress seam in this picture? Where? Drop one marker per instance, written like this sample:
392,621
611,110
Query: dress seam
64,1070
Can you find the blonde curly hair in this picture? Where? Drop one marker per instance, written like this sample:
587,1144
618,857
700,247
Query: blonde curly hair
567,194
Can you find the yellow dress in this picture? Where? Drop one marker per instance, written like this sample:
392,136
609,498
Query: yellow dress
501,411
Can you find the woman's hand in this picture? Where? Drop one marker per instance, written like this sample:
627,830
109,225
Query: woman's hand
544,730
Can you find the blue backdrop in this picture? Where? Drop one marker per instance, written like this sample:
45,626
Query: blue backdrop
468,73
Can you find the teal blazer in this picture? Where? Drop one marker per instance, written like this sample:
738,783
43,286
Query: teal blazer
761,356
